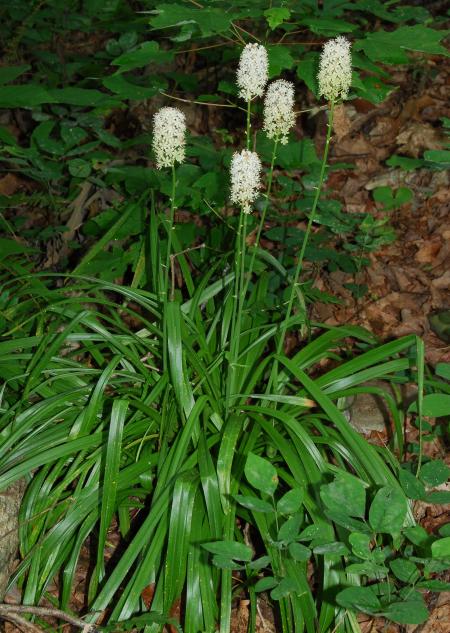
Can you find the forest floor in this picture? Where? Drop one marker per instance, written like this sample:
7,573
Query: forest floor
407,280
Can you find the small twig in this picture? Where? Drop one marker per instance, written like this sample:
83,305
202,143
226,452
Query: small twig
205,103
173,256
23,624
8,610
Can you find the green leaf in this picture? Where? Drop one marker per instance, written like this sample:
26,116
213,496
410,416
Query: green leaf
390,46
313,532
443,370
360,544
9,73
291,501
276,16
253,503
283,589
209,20
280,59
359,599
143,55
335,548
328,27
345,493
434,473
261,474
404,162
368,568
435,405
408,612
434,585
229,549
128,90
414,489
299,552
24,96
259,563
288,532
441,548
307,71
79,168
438,497
405,570
264,584
388,510
440,156
417,535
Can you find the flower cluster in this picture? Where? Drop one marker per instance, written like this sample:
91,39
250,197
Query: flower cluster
253,71
169,130
245,178
279,115
335,69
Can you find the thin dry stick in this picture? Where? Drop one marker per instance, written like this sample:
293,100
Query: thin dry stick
21,623
205,103
7,610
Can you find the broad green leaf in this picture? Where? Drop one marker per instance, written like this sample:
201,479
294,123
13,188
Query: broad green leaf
289,531
209,20
253,503
264,584
280,59
299,552
405,570
79,168
143,55
230,549
388,510
360,544
390,46
368,568
283,589
291,501
413,487
24,96
9,73
359,599
408,612
345,494
335,548
434,473
276,16
435,405
441,548
261,474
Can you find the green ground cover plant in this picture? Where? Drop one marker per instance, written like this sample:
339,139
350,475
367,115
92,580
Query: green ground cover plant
167,407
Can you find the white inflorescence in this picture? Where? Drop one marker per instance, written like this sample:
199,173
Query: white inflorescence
279,115
335,70
169,130
253,71
245,178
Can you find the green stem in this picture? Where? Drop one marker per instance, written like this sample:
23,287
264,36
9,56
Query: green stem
248,123
263,215
312,216
169,226
234,342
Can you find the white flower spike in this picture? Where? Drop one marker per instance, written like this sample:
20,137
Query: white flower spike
169,130
245,178
335,69
253,71
279,115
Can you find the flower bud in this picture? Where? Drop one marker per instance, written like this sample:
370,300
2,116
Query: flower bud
169,130
252,73
335,69
279,115
245,178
